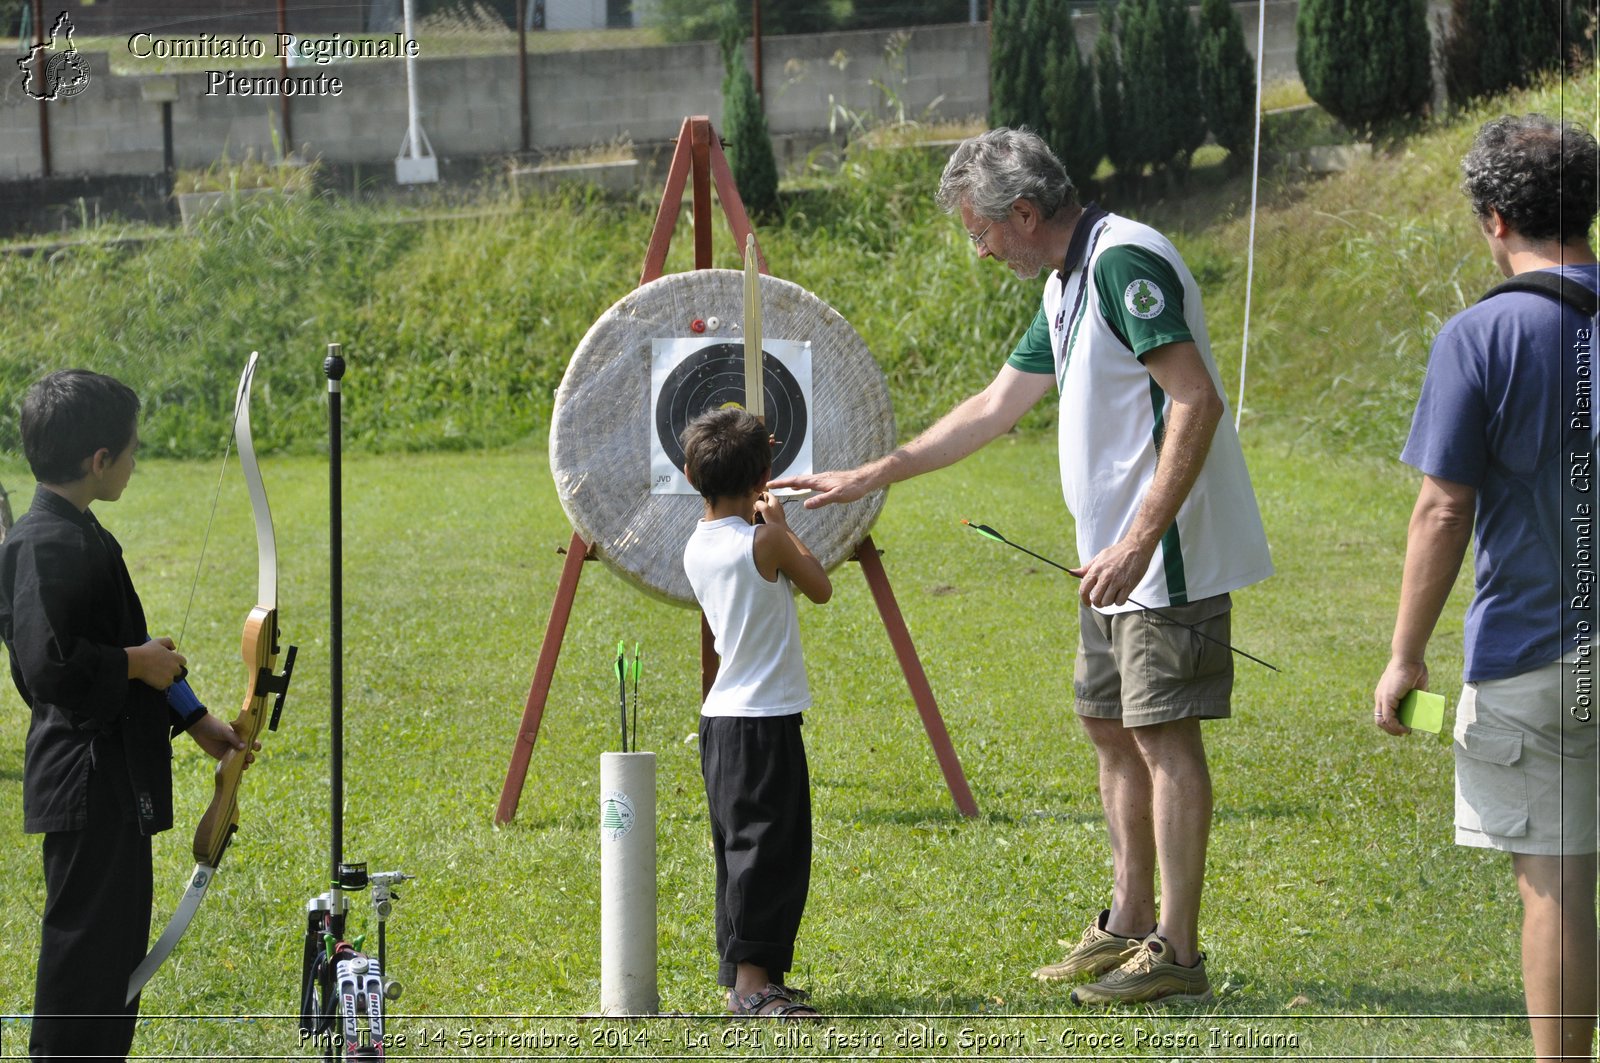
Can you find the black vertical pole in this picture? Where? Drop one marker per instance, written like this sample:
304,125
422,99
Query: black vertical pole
43,89
168,158
522,75
333,367
283,79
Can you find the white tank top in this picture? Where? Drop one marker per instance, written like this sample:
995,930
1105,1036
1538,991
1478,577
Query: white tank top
755,623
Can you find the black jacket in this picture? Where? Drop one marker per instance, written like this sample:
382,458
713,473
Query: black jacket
67,610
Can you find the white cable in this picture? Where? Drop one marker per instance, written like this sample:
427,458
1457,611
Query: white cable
1255,187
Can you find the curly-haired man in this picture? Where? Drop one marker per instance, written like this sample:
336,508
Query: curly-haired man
1504,435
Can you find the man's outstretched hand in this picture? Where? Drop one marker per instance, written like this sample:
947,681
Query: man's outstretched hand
844,485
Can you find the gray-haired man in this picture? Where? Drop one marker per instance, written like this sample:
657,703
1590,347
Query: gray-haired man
1153,473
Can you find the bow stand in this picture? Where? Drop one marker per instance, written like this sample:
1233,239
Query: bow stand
340,985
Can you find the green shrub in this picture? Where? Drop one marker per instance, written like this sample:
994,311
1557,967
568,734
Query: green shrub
1016,66
1040,81
1072,121
1160,83
1493,45
1227,78
1108,79
458,325
744,126
1366,62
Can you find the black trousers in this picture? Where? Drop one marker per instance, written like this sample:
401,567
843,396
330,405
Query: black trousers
95,930
758,790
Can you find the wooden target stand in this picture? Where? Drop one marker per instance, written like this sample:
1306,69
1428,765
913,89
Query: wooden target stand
698,158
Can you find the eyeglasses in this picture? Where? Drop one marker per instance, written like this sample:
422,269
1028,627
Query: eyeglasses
977,241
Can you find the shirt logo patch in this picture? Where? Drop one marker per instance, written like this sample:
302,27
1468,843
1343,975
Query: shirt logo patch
1143,299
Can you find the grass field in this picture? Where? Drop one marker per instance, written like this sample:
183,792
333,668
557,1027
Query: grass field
1337,909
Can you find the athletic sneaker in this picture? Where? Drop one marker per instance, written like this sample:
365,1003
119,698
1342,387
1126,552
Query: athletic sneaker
1149,975
1095,953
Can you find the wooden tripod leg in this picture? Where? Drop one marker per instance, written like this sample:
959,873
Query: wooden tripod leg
916,679
655,255
543,674
700,138
732,205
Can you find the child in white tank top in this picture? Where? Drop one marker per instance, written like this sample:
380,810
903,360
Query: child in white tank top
752,758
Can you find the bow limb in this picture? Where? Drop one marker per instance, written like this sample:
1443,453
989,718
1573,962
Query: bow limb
259,649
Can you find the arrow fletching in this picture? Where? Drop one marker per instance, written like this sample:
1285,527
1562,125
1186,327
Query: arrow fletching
985,531
989,533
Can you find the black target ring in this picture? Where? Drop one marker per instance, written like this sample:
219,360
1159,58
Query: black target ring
713,377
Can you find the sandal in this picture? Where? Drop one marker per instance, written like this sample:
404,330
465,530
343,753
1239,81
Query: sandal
773,1002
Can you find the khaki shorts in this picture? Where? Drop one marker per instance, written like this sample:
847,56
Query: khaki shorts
1143,669
1526,775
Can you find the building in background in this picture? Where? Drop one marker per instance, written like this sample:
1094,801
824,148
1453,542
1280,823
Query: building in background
180,18
588,14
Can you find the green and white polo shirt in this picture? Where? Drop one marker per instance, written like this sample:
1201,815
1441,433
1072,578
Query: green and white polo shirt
1124,292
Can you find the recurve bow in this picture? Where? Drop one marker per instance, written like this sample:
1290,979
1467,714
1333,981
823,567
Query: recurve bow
259,648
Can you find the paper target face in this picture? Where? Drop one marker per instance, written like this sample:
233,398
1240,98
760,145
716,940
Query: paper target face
661,353
690,376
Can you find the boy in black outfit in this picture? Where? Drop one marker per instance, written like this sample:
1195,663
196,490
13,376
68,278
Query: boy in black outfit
97,780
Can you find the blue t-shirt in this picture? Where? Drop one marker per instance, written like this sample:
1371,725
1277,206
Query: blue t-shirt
1507,408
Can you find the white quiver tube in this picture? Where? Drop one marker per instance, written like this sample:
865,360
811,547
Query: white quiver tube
628,884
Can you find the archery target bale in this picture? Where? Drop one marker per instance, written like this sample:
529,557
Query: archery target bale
628,884
667,352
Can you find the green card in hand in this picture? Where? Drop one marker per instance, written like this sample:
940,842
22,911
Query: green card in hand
1422,711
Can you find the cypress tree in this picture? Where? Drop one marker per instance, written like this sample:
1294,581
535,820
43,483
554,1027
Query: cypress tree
1005,44
1137,46
1035,31
1071,122
1039,80
1016,64
1227,78
1366,62
1108,80
1186,120
1494,45
1160,82
755,169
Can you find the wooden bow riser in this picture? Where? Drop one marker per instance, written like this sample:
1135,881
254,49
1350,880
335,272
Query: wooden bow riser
259,649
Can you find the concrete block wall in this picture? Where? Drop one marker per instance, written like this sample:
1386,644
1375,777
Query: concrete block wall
469,105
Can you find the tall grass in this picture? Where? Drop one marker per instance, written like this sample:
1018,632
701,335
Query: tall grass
1355,275
464,323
